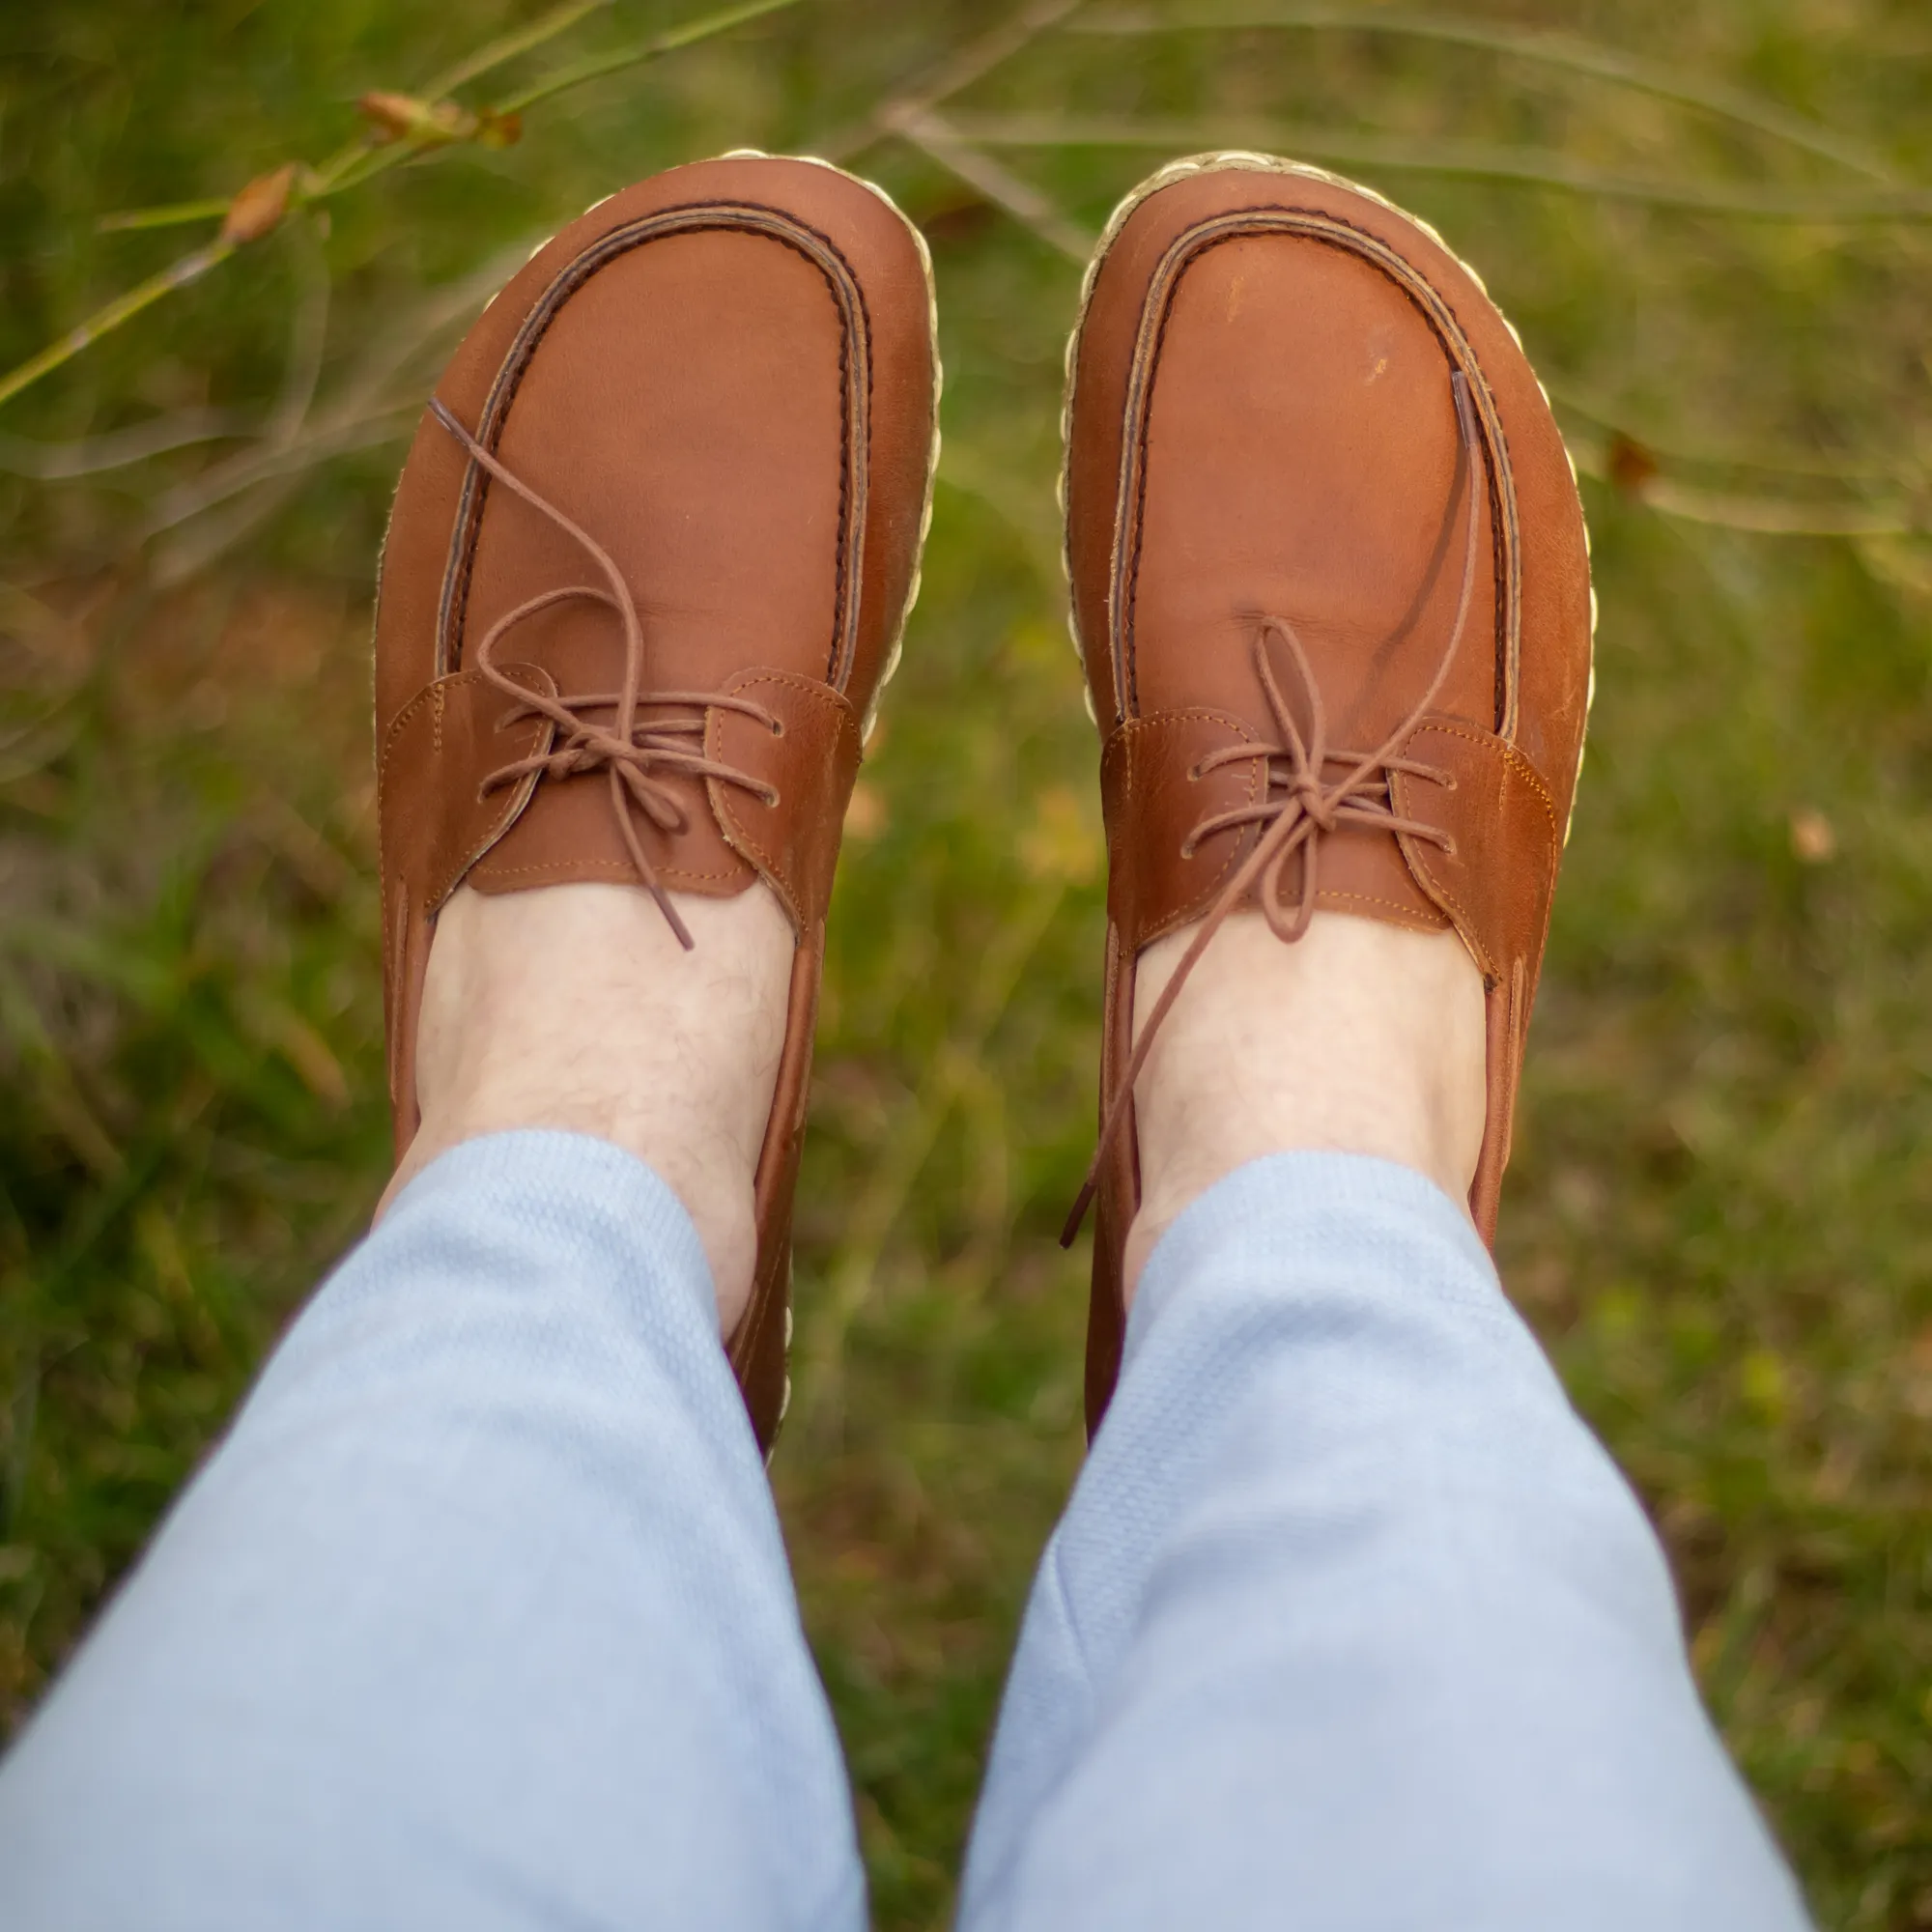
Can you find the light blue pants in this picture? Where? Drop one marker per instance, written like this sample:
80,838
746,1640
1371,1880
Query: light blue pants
480,1616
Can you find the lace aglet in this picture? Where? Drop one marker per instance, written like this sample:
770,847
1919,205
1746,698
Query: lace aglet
673,919
1083,1199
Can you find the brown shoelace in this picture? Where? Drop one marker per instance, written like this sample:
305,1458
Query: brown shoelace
1301,809
630,749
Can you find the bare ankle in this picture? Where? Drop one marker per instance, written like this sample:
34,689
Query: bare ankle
1361,1037
573,1007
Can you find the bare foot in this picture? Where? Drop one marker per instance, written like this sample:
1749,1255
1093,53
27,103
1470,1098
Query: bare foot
1359,1038
574,1008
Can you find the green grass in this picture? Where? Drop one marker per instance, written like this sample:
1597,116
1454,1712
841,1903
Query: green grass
1718,1214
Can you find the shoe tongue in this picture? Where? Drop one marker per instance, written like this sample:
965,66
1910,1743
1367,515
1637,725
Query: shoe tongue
1302,461
684,407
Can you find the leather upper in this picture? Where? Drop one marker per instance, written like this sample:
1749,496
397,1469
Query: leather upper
707,408
1264,438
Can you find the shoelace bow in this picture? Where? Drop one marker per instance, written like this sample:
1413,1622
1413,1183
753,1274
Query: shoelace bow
1299,810
632,749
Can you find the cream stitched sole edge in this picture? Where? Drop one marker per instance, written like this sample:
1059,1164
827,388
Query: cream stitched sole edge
1243,160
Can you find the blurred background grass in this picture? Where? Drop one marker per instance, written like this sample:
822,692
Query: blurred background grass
1708,225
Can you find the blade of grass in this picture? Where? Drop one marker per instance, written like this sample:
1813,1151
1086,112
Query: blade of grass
660,44
123,309
498,52
1762,516
345,167
172,214
348,167
357,164
1592,409
91,455
954,73
376,402
1549,49
937,138
1476,160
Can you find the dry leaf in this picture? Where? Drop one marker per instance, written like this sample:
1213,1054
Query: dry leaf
1813,842
260,207
1631,465
865,816
402,117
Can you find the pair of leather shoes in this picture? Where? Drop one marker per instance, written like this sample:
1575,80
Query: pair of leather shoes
656,542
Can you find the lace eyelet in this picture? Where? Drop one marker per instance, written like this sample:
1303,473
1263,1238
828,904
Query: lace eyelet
778,728
1450,849
1446,780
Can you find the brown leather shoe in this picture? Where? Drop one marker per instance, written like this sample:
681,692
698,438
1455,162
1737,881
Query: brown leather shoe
649,565
1331,585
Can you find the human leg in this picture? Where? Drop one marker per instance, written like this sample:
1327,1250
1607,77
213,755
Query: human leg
479,1616
1349,1623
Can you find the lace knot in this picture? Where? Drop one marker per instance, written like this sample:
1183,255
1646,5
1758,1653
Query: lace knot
641,756
1316,804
